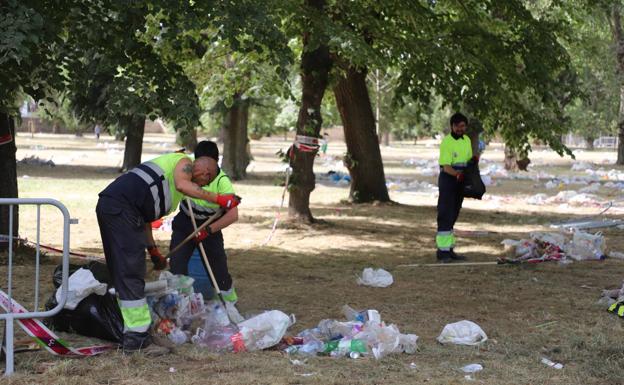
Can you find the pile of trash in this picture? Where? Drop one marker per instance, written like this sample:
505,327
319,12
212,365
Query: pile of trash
543,246
182,316
362,334
178,313
569,197
335,177
36,161
411,185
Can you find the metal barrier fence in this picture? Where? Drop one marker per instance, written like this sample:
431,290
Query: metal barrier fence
10,316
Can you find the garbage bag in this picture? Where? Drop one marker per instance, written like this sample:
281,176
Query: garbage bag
264,330
99,270
473,184
586,246
81,284
462,333
375,278
95,316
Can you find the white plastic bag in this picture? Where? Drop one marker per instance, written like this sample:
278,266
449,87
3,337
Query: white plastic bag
462,333
375,278
81,284
586,246
264,330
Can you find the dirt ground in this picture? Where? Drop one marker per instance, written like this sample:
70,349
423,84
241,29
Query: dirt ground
528,311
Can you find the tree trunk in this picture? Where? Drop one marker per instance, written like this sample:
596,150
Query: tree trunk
187,139
512,163
618,36
315,66
368,182
589,142
8,177
510,159
386,138
134,128
475,128
235,156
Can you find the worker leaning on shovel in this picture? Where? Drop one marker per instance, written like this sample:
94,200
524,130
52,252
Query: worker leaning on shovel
211,236
124,211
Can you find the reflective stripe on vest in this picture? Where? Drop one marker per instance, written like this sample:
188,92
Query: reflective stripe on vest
457,166
154,176
136,315
201,212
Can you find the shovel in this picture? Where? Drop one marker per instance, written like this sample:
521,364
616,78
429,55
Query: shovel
205,258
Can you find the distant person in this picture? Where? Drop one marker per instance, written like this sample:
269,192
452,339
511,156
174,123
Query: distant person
455,152
97,130
324,143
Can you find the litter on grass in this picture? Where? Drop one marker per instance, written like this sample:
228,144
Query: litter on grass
544,246
362,334
375,278
462,333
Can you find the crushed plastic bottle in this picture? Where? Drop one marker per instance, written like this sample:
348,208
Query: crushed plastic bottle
219,340
348,346
177,336
216,317
361,316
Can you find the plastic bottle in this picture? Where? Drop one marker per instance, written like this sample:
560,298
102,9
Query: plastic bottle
216,317
312,347
177,336
219,340
353,315
346,346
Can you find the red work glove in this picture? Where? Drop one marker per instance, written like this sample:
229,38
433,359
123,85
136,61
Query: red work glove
460,177
203,234
228,201
158,260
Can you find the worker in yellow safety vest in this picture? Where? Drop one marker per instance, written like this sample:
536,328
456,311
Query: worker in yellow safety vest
125,209
455,152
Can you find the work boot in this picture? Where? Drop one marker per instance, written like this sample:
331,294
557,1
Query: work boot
134,342
457,257
444,256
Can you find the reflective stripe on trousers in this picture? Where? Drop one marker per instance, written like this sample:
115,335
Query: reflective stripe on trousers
445,240
136,315
230,295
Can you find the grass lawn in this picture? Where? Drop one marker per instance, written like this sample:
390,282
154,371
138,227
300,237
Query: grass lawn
528,311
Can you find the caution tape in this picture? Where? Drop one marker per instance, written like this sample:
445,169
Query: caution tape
44,336
4,238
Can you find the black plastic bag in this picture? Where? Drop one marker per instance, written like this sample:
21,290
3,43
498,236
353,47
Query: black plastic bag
473,185
98,269
96,316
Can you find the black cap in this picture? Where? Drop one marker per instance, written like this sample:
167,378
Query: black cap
207,148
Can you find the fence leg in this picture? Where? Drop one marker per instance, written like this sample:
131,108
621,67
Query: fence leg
8,346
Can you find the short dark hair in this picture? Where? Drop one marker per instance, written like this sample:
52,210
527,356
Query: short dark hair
457,118
207,148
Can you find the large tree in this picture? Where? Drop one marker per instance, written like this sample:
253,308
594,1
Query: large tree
29,31
618,38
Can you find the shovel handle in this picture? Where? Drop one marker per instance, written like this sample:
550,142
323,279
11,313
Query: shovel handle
210,220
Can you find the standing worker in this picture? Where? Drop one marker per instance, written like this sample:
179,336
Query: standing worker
455,152
211,236
124,212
